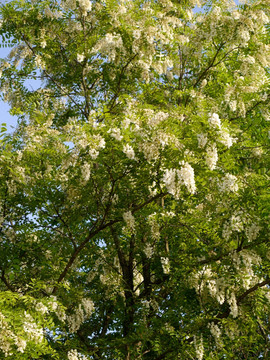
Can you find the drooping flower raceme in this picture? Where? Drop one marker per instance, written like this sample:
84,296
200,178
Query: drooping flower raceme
211,156
214,121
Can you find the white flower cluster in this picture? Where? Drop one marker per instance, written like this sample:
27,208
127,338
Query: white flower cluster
244,263
68,4
173,179
43,42
41,308
129,151
202,140
252,231
214,121
154,226
108,45
233,305
199,349
80,58
155,118
115,133
206,280
34,332
165,262
215,331
74,355
187,176
229,183
150,149
129,220
148,250
211,156
225,138
8,338
86,171
82,312
85,6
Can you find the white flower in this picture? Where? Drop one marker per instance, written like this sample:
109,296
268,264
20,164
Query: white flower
169,180
128,150
229,183
41,308
237,223
187,175
85,5
85,170
203,83
244,35
165,265
214,121
93,153
202,140
31,328
252,231
137,34
148,250
215,330
88,306
21,344
233,305
115,133
80,57
74,355
199,348
257,152
211,156
225,138
233,105
174,179
130,220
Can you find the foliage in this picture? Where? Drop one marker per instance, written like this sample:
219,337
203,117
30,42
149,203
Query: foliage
134,191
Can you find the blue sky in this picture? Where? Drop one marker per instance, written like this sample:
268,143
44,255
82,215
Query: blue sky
5,117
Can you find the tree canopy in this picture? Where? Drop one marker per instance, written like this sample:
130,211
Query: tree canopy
134,192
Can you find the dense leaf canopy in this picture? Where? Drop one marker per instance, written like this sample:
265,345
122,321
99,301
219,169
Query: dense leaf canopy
134,192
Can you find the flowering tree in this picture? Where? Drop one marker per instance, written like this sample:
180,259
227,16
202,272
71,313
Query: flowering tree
134,193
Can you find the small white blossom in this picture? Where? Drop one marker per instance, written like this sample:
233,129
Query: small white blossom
88,306
85,170
252,231
233,105
130,220
85,5
233,305
80,57
229,183
41,308
214,121
211,156
93,153
215,330
202,140
165,265
74,355
225,138
187,175
21,344
128,150
115,133
148,250
199,348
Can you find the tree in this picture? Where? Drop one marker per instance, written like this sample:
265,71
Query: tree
135,188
